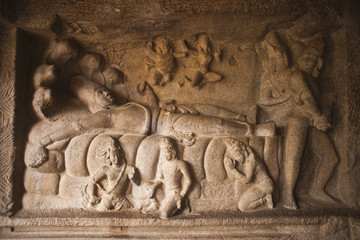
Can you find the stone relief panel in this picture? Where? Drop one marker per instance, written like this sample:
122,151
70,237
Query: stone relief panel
105,142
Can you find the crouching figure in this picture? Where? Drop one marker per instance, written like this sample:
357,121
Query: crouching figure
243,165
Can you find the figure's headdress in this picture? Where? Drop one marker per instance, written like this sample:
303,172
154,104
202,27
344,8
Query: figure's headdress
111,143
313,45
166,142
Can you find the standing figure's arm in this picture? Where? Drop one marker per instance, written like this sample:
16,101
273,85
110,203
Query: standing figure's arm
303,94
306,101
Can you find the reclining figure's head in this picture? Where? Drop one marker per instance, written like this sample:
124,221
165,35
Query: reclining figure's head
95,96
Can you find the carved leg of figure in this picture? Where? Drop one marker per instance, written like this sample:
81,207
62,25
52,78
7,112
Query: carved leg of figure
295,138
268,201
170,205
119,203
251,199
151,205
104,205
88,198
106,202
325,150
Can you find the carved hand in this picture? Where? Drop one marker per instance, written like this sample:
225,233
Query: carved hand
321,123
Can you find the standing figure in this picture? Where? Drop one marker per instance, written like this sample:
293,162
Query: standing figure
310,64
161,60
199,73
117,174
175,177
242,164
285,94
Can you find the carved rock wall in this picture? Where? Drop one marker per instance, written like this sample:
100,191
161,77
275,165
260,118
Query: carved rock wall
7,117
161,109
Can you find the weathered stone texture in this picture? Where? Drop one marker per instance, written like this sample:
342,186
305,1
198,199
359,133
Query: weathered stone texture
7,110
175,119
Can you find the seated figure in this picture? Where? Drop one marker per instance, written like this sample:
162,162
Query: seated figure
242,164
117,174
174,175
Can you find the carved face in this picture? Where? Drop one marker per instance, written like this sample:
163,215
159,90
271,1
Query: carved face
310,64
238,155
169,153
103,97
203,43
162,46
114,156
280,59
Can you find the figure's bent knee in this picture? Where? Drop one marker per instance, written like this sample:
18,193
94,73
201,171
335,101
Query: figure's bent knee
267,187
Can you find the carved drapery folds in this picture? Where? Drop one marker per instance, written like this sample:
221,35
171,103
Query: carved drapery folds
163,157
